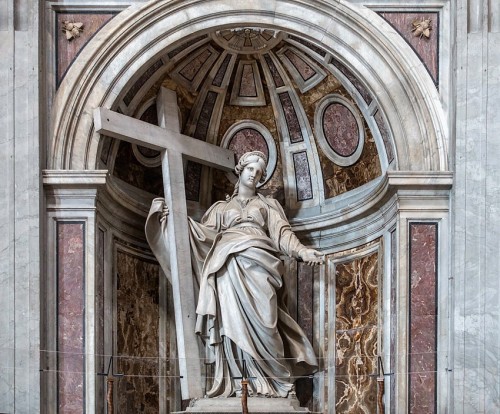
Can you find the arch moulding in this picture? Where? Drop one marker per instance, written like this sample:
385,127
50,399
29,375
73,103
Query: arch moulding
129,43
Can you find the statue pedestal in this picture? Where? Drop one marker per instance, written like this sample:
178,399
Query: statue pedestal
259,405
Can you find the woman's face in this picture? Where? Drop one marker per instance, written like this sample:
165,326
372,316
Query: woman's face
251,174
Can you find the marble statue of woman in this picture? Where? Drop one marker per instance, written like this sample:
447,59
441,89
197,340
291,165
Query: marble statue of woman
235,255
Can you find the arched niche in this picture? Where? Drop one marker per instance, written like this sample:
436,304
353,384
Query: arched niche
358,38
355,35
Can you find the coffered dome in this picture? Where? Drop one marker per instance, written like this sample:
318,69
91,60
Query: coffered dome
255,88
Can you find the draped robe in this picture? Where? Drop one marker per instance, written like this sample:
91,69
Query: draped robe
241,313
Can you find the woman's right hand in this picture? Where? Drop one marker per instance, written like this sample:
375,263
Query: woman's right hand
164,213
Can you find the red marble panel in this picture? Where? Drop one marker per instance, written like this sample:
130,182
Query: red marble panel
356,334
278,81
305,318
248,139
219,77
205,116
247,84
423,314
70,316
340,129
302,176
394,321
190,69
137,340
426,48
305,299
292,121
192,180
67,50
99,316
304,69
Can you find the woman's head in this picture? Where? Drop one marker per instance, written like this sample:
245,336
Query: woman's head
251,157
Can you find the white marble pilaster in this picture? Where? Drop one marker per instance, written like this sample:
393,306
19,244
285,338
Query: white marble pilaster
476,213
19,208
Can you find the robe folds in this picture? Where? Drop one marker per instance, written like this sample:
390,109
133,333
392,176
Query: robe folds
241,313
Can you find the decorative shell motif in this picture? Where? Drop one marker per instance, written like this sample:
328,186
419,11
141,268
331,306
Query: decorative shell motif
72,29
422,27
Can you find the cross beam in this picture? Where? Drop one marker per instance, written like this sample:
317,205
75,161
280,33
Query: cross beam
174,147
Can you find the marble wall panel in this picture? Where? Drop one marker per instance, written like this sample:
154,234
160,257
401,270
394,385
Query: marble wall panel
304,69
394,321
278,81
203,121
70,317
137,338
302,176
193,180
247,84
356,334
305,298
292,121
191,68
338,180
305,319
427,49
100,359
422,360
219,77
67,50
340,129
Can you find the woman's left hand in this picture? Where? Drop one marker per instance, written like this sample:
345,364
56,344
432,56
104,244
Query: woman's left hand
312,257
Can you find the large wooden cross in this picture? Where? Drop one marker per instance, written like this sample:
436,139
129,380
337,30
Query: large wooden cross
174,147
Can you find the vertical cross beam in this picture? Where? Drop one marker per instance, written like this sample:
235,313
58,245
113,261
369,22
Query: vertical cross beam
180,254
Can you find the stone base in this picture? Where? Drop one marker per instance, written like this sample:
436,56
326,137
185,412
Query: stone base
259,405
